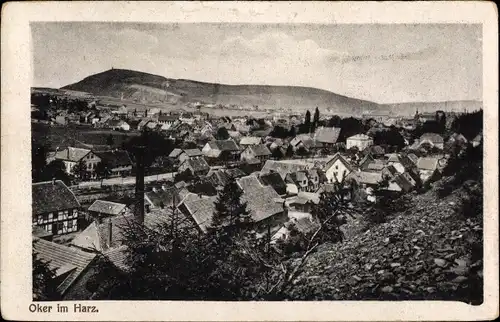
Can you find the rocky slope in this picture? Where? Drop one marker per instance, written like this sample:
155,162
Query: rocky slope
430,251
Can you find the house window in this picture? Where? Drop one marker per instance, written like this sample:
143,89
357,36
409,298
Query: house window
336,167
51,216
75,224
48,228
60,215
40,219
59,227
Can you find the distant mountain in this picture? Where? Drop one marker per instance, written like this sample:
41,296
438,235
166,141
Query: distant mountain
143,87
147,88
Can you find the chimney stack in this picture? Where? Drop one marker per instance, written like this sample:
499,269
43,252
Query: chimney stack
139,185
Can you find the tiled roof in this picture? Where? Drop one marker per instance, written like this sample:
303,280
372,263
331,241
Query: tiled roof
59,256
200,208
370,178
224,145
71,154
197,164
107,207
427,163
274,180
259,150
166,117
413,158
115,158
50,197
118,256
433,137
376,165
175,153
336,157
305,225
261,200
193,152
250,140
327,135
306,139
283,167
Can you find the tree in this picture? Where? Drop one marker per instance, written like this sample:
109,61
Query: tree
103,170
44,287
331,212
441,120
334,121
316,117
80,171
289,151
38,161
56,170
230,211
279,132
222,134
277,154
110,140
186,176
307,121
293,132
302,151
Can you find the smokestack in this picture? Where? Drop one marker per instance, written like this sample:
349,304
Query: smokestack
139,185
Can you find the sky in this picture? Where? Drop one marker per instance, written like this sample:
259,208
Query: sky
388,63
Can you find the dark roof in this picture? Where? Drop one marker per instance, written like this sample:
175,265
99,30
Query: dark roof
305,225
370,178
118,256
327,135
166,117
403,182
377,150
197,164
274,180
72,154
50,197
336,157
203,188
200,208
283,167
115,158
38,231
63,259
168,196
175,153
107,207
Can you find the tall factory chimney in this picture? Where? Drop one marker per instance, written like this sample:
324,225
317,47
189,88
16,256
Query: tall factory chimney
139,185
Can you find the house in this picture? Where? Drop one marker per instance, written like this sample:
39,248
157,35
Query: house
274,180
71,156
337,168
260,152
183,154
302,141
197,165
303,201
221,149
477,140
284,167
376,150
427,168
361,141
152,125
327,136
433,139
400,161
142,124
167,121
299,179
221,177
198,208
118,161
72,268
118,125
101,209
109,234
263,203
54,207
161,198
315,178
364,183
250,140
457,139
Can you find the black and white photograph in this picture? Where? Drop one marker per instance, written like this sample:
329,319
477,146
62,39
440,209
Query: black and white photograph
256,161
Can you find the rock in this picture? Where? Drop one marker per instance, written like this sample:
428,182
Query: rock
440,262
450,256
395,264
430,289
459,279
386,289
387,240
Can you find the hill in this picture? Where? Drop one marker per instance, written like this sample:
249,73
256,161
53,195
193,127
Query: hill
429,251
138,87
143,87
